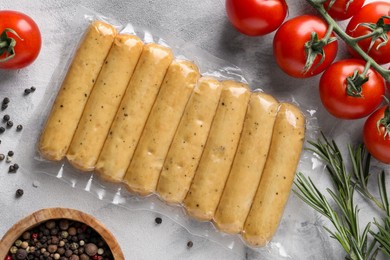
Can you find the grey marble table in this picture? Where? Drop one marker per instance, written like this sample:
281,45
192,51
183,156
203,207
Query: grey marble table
199,23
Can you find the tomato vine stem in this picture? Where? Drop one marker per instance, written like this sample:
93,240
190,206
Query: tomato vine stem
352,42
363,37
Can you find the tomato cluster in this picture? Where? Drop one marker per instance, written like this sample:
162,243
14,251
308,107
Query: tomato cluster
350,88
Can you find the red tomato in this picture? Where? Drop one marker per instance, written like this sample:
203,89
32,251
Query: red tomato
388,84
343,9
377,140
256,17
333,90
289,46
28,44
370,14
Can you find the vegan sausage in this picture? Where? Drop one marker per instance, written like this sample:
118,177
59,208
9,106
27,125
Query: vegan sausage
145,167
76,87
248,164
104,101
214,166
278,176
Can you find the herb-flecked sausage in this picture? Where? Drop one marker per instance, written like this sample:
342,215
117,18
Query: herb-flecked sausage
188,144
74,92
278,176
104,101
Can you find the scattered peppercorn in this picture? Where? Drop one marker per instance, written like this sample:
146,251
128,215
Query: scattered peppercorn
27,91
10,153
190,244
16,166
19,192
6,100
19,128
11,169
2,130
2,156
10,124
6,118
32,89
4,106
158,220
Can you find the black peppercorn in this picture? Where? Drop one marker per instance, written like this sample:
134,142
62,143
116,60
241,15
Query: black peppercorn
19,128
10,124
54,231
190,244
16,166
2,156
41,242
11,168
4,106
6,118
19,192
21,253
2,130
5,100
91,249
158,220
27,91
64,224
33,89
10,153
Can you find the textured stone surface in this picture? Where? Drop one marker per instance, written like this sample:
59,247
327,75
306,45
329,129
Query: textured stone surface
199,23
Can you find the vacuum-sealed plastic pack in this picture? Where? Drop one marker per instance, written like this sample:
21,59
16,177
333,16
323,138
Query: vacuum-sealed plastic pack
150,122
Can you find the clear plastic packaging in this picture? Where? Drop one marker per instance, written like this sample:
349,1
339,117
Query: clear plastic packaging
117,194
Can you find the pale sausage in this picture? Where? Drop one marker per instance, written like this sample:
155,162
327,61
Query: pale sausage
73,95
277,178
145,167
214,167
248,164
133,112
104,101
187,146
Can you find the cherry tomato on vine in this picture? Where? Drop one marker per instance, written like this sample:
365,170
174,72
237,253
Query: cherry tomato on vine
388,84
376,137
289,46
348,97
256,17
21,31
357,27
343,9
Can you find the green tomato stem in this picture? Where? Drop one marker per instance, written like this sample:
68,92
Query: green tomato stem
348,39
3,44
329,32
366,68
363,37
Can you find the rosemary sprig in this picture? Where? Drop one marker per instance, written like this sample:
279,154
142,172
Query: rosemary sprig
382,236
360,160
345,215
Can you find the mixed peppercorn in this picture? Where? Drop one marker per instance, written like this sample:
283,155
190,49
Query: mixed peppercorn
60,239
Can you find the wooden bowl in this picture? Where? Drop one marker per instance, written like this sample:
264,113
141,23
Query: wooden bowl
43,215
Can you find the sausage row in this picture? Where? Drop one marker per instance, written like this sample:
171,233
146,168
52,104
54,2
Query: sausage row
136,115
